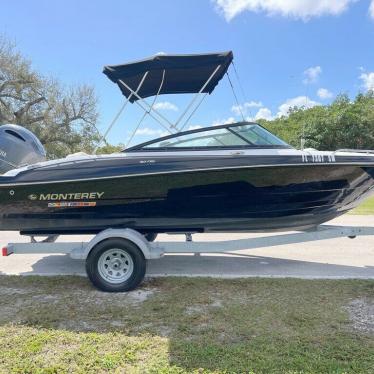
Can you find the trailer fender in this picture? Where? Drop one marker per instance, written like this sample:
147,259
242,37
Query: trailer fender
149,252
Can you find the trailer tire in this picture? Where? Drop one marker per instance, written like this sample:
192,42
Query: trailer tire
116,265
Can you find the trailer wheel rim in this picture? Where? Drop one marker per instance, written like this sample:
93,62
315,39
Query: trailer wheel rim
115,265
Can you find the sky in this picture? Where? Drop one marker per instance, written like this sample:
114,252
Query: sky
286,52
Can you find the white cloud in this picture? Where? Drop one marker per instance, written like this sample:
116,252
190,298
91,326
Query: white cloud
312,74
243,108
165,105
299,102
147,131
194,127
298,9
368,80
264,113
371,9
224,121
324,93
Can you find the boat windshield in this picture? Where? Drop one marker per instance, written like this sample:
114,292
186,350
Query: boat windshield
246,135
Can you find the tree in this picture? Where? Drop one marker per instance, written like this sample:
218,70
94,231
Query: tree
342,124
108,148
64,119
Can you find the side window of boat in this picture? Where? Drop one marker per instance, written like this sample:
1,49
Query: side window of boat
258,135
213,138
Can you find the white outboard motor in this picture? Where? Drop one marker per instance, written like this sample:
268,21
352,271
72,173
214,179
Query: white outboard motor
19,147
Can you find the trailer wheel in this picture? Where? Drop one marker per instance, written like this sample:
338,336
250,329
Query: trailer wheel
116,265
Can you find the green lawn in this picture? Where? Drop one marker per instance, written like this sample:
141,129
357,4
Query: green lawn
367,207
181,325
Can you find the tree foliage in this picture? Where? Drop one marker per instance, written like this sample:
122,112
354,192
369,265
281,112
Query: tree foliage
63,118
342,124
109,148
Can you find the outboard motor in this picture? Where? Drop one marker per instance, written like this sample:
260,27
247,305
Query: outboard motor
19,147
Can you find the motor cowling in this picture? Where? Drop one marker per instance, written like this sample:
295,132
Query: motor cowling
19,147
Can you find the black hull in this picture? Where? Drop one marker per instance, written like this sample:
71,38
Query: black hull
271,198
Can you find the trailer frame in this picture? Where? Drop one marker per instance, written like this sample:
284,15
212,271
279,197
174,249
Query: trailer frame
142,250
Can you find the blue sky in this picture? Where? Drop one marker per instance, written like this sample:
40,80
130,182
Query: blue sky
286,52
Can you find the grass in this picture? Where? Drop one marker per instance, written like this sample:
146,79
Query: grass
182,325
367,207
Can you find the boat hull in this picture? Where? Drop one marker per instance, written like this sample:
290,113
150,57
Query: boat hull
261,199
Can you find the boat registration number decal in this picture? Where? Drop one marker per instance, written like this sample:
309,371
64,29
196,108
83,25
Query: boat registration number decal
2,153
75,204
317,158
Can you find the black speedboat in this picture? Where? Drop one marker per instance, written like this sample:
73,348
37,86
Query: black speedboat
235,177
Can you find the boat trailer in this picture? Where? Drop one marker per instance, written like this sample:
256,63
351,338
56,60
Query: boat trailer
116,258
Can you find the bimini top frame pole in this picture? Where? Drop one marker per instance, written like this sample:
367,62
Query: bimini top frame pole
147,112
193,101
115,119
148,108
197,74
